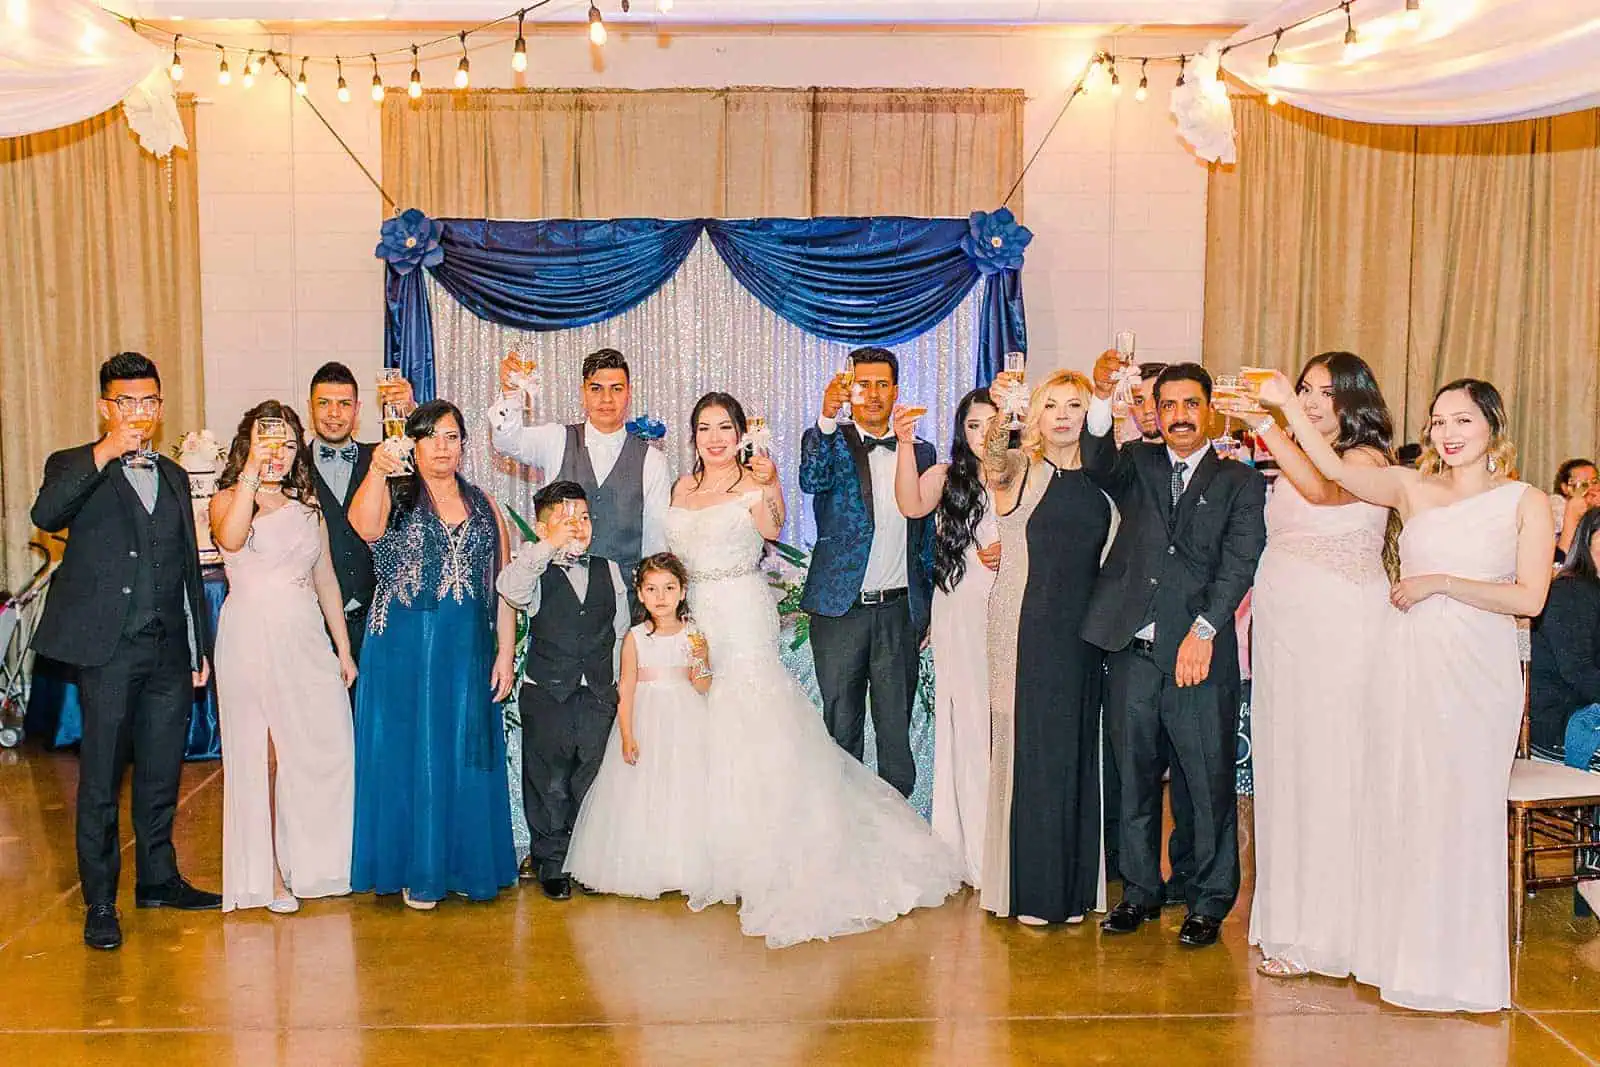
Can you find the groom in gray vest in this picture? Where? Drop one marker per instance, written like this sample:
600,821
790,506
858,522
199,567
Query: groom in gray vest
626,481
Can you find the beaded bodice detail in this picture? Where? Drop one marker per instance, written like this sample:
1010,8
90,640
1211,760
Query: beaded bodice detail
420,561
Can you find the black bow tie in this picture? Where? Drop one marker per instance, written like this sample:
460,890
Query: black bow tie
349,453
869,443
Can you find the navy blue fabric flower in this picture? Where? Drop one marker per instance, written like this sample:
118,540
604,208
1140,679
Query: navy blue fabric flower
994,242
646,428
411,240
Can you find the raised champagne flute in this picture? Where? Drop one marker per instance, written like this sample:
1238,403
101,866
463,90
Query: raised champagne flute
757,437
274,434
1122,396
847,379
522,384
1016,402
143,458
394,430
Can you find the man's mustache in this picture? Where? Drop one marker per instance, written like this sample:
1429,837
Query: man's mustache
1180,426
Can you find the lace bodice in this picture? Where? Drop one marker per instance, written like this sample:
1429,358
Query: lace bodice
1345,538
419,561
718,542
282,549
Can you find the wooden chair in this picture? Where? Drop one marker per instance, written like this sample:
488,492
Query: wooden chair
1550,810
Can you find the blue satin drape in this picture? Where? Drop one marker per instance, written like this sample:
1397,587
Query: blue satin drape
852,280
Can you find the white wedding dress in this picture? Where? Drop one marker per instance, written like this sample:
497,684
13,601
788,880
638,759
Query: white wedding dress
806,840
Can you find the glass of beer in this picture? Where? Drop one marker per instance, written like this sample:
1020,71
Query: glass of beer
1016,402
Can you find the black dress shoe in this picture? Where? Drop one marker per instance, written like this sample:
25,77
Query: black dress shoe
176,894
528,871
559,888
101,929
1198,931
1125,918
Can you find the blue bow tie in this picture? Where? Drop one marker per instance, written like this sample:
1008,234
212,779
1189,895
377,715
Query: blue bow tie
349,453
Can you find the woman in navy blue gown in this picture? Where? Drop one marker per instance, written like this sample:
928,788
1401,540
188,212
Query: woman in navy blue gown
433,808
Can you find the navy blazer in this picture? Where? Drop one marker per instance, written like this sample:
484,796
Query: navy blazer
835,471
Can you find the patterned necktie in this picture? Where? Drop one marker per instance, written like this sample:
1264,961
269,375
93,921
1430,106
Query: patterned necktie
1177,482
349,453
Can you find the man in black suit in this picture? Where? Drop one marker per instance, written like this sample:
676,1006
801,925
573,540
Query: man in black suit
127,608
340,463
1185,555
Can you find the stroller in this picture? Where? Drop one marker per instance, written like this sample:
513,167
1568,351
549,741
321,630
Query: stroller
19,614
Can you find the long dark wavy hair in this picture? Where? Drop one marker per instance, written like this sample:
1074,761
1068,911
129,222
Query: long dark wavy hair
1580,557
1364,419
298,484
661,563
406,491
961,505
727,402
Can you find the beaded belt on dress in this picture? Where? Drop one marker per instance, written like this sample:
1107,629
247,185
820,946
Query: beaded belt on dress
720,574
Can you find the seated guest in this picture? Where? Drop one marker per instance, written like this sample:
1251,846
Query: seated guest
1408,455
281,686
433,808
1565,674
1577,490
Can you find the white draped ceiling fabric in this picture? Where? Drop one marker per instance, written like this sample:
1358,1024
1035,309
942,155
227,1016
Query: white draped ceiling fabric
701,331
1452,62
63,61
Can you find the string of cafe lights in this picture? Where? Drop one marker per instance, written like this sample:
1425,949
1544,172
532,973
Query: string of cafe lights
256,59
1103,66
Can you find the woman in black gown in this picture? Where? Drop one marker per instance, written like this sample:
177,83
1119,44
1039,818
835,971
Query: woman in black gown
1042,860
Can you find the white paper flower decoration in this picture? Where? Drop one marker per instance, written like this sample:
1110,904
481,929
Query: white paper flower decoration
1203,111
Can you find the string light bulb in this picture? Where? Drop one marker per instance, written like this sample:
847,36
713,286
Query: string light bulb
260,62
175,71
1351,41
1412,18
664,6
1143,91
1272,56
1116,82
519,51
463,68
224,75
247,77
344,87
1183,61
377,81
414,89
1272,99
597,25
300,85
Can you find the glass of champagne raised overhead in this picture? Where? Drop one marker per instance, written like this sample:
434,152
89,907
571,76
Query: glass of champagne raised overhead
1122,396
847,381
522,384
273,433
394,429
1016,402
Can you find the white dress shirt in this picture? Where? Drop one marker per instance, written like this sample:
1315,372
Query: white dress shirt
544,446
519,584
886,560
1098,422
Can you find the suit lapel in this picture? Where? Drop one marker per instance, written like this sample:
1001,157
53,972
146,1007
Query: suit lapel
858,452
1156,473
128,495
1198,482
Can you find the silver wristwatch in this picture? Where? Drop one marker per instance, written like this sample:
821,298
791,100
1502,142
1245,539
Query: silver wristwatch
1203,629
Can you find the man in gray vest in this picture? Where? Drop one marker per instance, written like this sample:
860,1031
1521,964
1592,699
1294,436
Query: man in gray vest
626,481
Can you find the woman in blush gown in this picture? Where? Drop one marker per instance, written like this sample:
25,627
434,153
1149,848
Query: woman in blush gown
281,687
966,553
1321,599
1430,824
808,842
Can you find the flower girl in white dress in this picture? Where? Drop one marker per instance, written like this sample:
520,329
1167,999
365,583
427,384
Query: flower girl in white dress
641,830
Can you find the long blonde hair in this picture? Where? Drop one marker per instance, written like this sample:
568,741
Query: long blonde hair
1032,437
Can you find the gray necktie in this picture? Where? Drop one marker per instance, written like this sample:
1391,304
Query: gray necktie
1177,482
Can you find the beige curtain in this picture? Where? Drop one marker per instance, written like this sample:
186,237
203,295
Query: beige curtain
100,253
1433,252
726,153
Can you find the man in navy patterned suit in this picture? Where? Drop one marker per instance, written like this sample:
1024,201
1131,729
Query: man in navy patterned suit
871,578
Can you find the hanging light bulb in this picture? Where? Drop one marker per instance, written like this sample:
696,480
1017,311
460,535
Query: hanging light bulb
1412,19
1143,91
260,62
1116,82
377,81
663,6
463,68
1272,99
414,89
247,76
1351,41
224,76
1272,56
597,26
175,71
344,88
300,85
1183,61
519,51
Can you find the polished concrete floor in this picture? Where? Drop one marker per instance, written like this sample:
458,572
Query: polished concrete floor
616,982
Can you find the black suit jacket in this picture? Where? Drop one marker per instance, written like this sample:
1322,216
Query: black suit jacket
352,557
88,603
1171,565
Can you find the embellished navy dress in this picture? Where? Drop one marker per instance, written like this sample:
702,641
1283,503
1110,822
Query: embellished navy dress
433,809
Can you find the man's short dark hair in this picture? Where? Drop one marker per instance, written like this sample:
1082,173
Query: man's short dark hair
1409,454
1150,371
1183,372
334,374
127,367
605,359
874,354
546,499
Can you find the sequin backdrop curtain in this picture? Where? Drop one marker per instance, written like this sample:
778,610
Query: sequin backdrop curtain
703,153
700,331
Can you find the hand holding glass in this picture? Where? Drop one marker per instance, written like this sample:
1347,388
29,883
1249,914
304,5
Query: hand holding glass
1016,398
394,433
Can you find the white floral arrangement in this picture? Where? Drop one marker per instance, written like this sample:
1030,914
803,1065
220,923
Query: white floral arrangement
200,452
201,455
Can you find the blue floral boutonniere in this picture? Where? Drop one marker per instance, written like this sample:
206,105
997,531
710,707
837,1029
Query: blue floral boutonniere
994,241
410,240
647,429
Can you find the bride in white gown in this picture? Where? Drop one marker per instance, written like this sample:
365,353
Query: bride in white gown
806,840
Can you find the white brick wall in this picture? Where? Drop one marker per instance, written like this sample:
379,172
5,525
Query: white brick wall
288,222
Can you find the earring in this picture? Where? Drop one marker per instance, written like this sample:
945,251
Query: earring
1493,466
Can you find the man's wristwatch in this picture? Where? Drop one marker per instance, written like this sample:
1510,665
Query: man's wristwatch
1203,630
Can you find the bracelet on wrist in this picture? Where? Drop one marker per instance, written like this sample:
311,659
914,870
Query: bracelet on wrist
1266,423
250,481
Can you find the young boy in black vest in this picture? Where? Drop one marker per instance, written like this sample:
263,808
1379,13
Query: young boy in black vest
577,609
